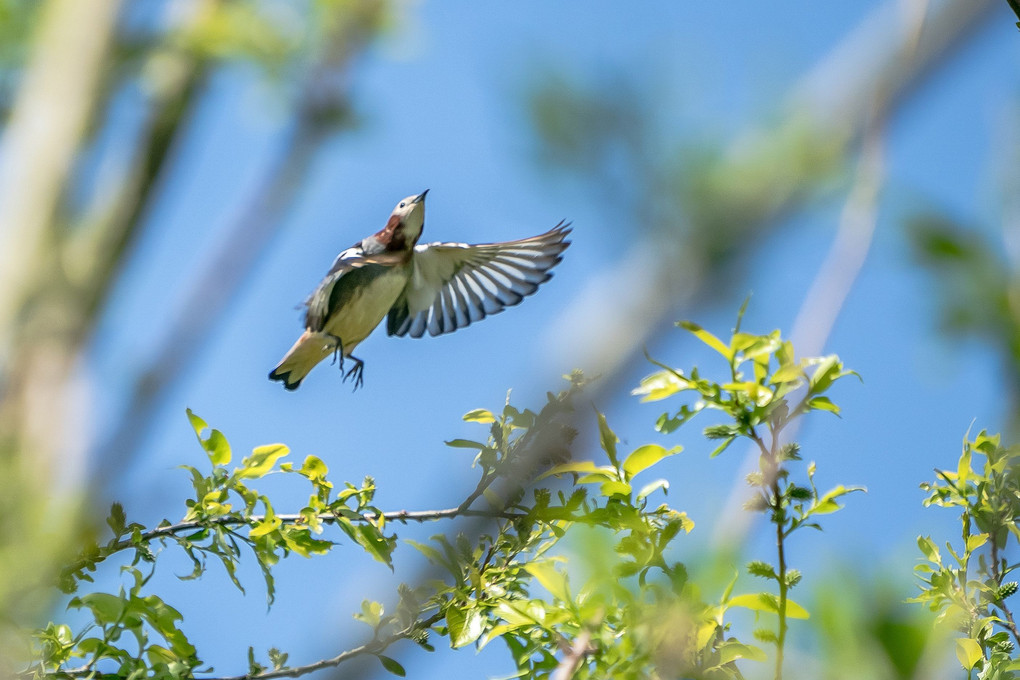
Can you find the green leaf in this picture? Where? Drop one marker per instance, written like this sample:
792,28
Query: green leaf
661,385
375,544
827,503
392,666
313,468
645,457
581,467
976,541
105,608
968,651
822,404
266,526
650,488
756,392
795,611
929,548
217,447
197,424
117,519
466,444
707,338
732,650
465,626
261,461
767,602
479,415
722,447
615,488
551,579
371,613
787,373
762,569
608,439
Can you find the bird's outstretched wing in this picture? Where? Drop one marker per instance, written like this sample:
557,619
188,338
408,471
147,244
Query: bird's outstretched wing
454,284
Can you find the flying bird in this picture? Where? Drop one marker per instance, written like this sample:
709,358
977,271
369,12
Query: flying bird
438,287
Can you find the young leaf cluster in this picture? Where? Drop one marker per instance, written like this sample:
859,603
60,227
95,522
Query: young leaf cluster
970,586
136,634
766,388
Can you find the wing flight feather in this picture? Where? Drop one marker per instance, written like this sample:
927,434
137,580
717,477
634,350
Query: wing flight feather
455,284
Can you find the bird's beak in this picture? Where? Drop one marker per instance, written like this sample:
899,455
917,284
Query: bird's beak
421,197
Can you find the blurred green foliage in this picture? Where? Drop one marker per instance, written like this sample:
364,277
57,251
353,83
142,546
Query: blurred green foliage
978,290
623,607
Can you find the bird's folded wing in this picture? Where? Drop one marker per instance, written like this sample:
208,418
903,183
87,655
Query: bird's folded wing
323,299
454,284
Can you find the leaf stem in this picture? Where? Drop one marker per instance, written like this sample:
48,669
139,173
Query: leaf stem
779,518
997,575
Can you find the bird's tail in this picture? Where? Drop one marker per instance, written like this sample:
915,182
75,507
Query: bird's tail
310,349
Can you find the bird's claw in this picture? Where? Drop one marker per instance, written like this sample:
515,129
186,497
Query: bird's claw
357,371
338,352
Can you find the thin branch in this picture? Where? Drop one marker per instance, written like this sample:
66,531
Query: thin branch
373,647
574,657
997,575
326,518
780,520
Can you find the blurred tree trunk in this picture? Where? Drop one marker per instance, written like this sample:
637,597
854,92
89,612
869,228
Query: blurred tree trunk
59,259
57,98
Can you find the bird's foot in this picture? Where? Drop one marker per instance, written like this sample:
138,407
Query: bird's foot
338,352
357,372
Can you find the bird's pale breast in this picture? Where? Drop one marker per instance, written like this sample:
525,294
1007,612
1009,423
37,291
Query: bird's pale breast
365,305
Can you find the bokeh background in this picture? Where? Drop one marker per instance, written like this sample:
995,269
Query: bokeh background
177,175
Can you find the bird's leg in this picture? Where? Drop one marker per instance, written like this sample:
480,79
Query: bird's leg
338,351
357,371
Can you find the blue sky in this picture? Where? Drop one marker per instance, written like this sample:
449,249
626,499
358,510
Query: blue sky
441,107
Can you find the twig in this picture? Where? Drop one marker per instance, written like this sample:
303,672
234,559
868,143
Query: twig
780,520
997,575
373,647
574,657
170,530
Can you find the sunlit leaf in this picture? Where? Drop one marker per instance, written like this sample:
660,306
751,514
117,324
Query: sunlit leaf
551,579
480,415
314,468
968,651
614,488
706,337
465,626
822,404
976,541
607,439
732,650
650,488
661,385
767,602
645,457
262,460
466,444
581,467
265,526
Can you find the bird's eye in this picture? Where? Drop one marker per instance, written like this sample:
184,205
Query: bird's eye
401,204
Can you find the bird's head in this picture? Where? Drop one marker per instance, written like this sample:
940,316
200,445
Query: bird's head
411,213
